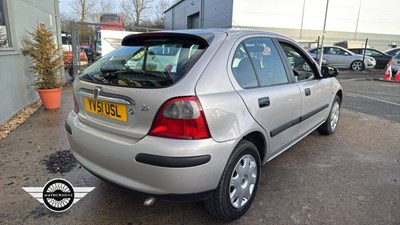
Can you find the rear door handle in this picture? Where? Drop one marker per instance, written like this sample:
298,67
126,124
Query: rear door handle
263,102
307,91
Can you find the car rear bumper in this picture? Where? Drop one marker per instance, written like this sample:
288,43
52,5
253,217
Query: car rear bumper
152,165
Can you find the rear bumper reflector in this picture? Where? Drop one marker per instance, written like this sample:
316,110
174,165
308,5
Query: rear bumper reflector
68,128
173,162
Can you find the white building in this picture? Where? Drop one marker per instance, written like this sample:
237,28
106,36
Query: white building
16,17
300,19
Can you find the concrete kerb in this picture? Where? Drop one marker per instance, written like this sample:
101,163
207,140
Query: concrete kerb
375,79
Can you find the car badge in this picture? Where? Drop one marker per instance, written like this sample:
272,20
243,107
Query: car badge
96,92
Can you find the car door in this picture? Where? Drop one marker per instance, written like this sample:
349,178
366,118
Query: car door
315,92
380,58
271,97
329,56
339,57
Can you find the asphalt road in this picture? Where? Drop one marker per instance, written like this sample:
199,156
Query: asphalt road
365,93
351,177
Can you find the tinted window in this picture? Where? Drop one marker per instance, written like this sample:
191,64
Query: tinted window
301,65
154,63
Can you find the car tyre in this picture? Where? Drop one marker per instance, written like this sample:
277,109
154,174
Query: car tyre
238,184
331,123
357,65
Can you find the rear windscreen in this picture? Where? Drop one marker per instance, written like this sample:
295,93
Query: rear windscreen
152,63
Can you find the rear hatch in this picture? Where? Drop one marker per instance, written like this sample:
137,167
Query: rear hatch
122,92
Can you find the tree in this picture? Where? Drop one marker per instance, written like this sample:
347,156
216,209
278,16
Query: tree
65,20
102,6
134,11
82,8
105,6
159,13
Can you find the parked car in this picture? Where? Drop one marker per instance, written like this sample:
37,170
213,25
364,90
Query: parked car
381,58
89,53
395,63
68,59
343,58
393,51
193,114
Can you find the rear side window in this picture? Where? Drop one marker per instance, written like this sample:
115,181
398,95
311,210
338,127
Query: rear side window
150,63
257,63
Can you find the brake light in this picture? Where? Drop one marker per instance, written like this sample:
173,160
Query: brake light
181,118
76,106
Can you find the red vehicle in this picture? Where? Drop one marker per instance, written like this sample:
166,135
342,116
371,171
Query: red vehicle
111,19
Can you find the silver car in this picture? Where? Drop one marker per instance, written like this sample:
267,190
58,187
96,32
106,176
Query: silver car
343,58
395,63
194,114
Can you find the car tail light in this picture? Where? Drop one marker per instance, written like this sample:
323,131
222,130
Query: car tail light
181,118
76,106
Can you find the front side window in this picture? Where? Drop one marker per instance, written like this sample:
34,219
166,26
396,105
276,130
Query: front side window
373,53
300,64
316,51
4,35
153,63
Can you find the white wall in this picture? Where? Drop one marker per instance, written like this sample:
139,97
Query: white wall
268,13
379,17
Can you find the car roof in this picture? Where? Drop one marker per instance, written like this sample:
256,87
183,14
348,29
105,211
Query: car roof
368,49
392,49
329,46
365,48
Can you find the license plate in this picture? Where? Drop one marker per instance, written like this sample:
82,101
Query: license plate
108,109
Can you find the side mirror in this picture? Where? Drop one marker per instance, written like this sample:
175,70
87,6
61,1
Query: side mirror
329,71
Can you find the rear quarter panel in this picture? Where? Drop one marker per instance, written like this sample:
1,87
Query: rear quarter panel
225,111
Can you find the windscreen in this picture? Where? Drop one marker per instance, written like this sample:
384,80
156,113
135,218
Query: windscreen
153,63
110,18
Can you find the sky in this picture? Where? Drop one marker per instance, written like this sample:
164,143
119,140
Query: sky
65,5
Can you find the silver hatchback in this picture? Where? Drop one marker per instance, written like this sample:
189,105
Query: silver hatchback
194,114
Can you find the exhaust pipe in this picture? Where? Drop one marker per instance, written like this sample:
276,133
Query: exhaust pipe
149,201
